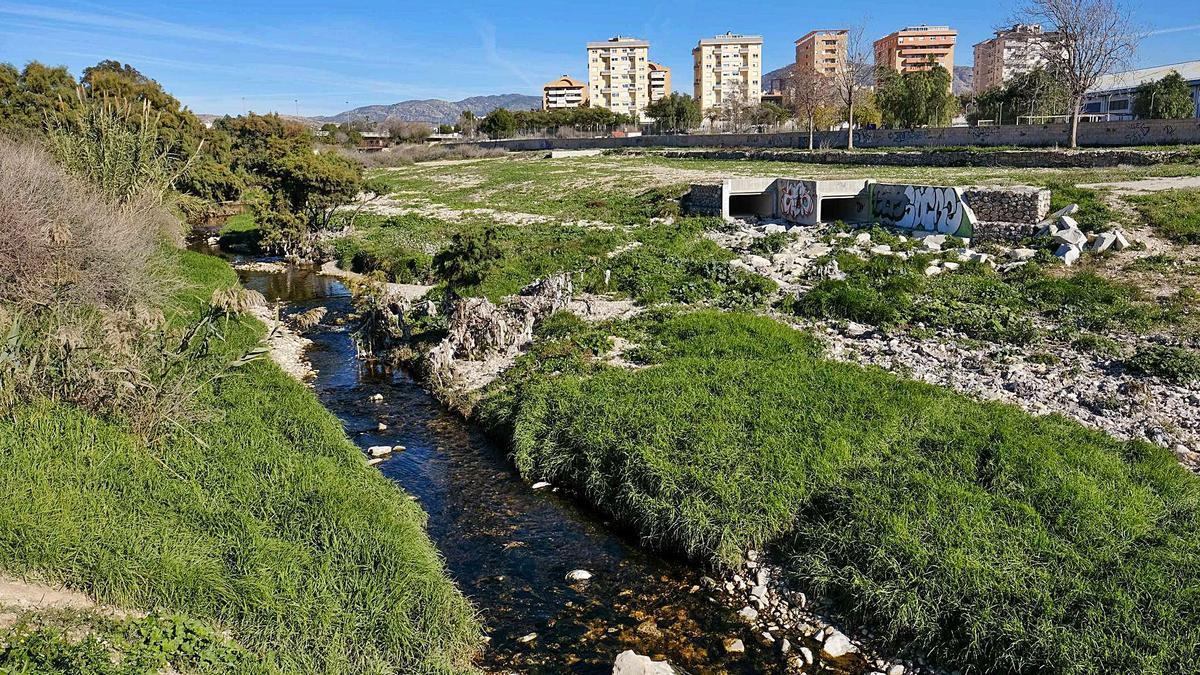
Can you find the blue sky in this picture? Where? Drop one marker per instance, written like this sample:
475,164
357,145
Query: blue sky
223,56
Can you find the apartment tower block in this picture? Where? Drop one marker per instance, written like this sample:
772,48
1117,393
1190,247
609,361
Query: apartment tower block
618,75
728,66
822,52
916,48
1013,51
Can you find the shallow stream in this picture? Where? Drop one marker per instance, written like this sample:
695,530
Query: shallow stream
507,546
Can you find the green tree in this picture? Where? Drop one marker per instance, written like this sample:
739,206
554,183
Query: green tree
770,114
1036,93
500,123
676,112
30,95
467,259
916,98
1167,99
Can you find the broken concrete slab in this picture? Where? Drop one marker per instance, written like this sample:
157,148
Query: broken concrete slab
1068,254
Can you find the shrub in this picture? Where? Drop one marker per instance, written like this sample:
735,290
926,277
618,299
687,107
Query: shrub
770,244
1176,364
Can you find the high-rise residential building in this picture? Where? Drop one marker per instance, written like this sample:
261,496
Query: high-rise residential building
728,66
565,92
916,48
822,51
1013,51
659,77
618,75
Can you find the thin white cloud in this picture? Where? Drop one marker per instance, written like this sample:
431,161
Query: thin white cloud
487,40
144,25
1176,29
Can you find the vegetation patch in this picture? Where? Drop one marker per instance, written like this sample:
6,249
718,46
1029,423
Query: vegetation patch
976,533
1175,214
1176,364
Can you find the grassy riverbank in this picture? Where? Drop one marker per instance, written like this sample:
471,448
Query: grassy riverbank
261,518
972,531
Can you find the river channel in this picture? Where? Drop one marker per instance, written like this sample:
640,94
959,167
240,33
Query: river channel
507,546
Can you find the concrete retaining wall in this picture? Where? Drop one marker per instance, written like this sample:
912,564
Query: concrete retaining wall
1091,134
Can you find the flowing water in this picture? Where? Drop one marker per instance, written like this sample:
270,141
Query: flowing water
507,546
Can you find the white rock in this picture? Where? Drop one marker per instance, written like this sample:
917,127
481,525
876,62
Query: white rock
932,270
758,592
758,262
882,249
540,485
748,614
785,646
837,646
579,575
379,450
951,266
1022,254
630,662
377,397
895,669
806,654
375,462
382,427
775,229
863,238
1068,254
734,646
525,639
934,242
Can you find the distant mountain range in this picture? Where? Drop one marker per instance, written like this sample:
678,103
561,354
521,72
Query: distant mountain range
963,76
433,110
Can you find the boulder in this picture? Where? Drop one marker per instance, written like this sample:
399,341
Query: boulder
934,242
1022,254
1068,254
863,238
758,262
630,662
734,646
932,270
379,450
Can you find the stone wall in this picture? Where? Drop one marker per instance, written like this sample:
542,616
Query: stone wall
1091,134
704,199
986,230
1008,204
1007,159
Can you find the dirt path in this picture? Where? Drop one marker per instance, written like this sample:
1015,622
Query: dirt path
20,597
1147,185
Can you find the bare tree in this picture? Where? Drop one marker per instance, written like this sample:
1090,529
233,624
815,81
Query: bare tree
853,76
1098,37
806,93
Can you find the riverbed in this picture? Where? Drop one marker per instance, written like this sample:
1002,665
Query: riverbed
510,547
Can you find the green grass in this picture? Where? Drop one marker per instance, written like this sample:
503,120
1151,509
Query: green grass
982,303
1174,214
1093,215
240,234
970,532
262,518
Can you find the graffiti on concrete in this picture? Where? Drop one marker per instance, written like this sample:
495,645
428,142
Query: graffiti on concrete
797,200
923,207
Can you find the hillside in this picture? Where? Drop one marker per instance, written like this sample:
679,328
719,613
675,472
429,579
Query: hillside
434,110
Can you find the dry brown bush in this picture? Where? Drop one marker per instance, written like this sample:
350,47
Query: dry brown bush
60,242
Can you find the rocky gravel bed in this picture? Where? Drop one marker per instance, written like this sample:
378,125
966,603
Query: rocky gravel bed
1042,378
